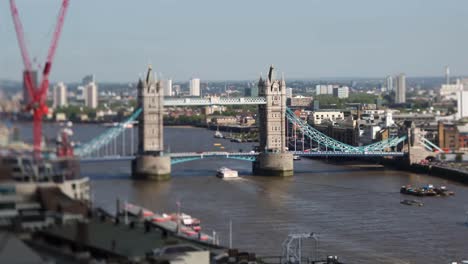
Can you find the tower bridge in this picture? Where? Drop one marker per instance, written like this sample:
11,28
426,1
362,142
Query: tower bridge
274,159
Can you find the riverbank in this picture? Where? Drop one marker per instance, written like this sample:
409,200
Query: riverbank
453,174
442,172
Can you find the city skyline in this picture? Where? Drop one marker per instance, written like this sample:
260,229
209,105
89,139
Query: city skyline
231,41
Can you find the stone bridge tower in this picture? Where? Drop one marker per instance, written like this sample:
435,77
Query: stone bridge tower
150,162
274,159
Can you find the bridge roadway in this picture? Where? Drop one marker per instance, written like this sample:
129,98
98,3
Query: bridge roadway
247,156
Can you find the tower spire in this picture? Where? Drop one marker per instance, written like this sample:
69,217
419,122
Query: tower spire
271,73
283,82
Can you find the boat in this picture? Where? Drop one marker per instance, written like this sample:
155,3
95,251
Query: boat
442,191
225,173
218,134
296,157
428,190
182,224
412,202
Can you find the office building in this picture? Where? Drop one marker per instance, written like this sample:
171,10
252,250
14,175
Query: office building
450,91
91,99
400,89
330,89
462,104
448,136
299,101
194,85
26,97
324,89
318,116
341,92
167,87
389,83
60,95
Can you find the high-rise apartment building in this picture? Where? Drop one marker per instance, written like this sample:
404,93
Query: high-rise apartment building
389,83
400,89
91,99
84,83
447,75
60,95
167,87
194,87
87,79
26,97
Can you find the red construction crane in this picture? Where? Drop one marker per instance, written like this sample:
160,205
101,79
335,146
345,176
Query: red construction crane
37,94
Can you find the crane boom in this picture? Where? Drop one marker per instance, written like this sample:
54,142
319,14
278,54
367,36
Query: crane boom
22,46
52,49
38,94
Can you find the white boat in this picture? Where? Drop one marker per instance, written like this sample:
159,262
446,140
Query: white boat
226,173
218,134
296,157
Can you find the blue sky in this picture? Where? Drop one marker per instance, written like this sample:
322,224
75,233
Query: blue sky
219,39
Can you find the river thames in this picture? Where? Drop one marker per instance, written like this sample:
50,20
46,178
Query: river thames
355,209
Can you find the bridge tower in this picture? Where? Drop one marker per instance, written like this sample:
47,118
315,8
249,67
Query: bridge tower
273,160
415,147
150,161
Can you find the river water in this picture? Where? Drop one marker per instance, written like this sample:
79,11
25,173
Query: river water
355,210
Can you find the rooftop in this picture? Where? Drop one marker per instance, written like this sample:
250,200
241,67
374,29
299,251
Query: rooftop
118,240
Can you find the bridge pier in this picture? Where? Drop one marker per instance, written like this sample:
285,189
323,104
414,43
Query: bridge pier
148,167
274,164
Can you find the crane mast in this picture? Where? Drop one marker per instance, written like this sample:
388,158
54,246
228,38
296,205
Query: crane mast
37,94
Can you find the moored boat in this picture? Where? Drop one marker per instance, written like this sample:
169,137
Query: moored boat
428,190
442,190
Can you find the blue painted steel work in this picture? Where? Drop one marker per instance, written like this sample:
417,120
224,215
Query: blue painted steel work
349,154
430,146
190,156
335,145
106,137
106,159
177,158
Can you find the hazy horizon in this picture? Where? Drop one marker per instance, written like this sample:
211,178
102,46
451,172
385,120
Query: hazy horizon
217,40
